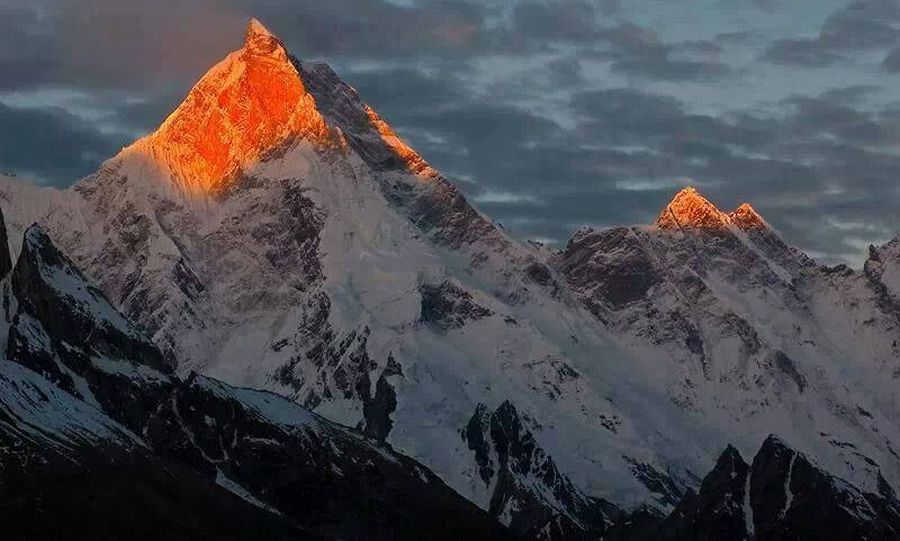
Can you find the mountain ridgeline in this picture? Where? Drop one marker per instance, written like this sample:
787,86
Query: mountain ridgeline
418,372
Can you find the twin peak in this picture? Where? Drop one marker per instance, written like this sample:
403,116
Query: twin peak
690,210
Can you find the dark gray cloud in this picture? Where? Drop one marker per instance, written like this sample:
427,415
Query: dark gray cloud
891,62
861,25
810,53
112,43
549,113
819,157
559,20
640,52
50,144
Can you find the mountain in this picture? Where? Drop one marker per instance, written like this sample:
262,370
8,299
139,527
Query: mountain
275,233
756,332
781,495
88,402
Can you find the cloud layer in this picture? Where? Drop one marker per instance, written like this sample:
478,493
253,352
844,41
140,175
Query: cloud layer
549,113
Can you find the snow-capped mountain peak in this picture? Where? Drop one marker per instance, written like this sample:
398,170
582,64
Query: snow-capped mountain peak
244,108
746,217
690,210
328,262
259,40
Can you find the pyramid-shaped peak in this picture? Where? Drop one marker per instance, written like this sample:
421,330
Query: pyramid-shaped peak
257,29
259,40
690,210
247,104
746,217
256,102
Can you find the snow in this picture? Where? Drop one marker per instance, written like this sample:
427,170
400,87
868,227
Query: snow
248,320
268,406
788,495
242,493
748,510
68,282
43,412
128,369
255,27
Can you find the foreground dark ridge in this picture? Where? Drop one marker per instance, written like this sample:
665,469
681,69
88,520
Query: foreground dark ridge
92,407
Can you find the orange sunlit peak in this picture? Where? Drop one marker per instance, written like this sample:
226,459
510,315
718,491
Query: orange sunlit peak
260,41
243,107
689,209
746,217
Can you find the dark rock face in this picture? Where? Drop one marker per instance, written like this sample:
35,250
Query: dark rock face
667,489
51,488
52,290
874,269
787,367
5,258
524,474
300,472
66,330
793,499
448,306
781,496
378,408
718,510
610,267
320,475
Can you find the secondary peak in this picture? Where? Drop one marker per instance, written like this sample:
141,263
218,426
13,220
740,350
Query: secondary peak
746,217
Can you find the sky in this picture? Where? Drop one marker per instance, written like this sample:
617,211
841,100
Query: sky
549,114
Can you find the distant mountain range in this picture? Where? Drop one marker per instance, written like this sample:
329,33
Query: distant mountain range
418,372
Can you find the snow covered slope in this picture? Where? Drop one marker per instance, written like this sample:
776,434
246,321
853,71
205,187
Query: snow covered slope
754,333
276,233
87,384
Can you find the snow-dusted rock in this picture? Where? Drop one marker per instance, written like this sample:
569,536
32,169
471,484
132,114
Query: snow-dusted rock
84,381
287,239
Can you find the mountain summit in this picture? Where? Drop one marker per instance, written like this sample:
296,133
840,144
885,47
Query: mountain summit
690,210
260,41
244,107
746,217
338,269
256,102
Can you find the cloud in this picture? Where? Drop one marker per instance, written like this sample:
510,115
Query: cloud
809,53
819,158
640,52
549,113
860,26
50,144
374,28
891,62
561,20
102,43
